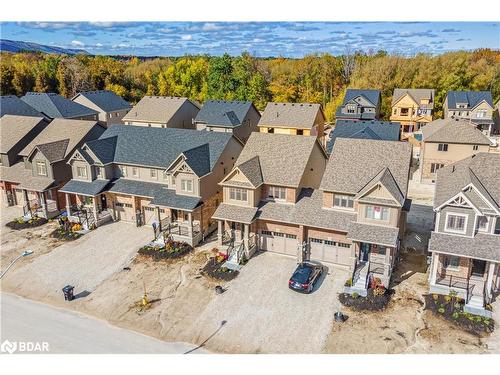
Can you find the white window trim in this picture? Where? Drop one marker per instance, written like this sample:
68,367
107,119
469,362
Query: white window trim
454,230
448,267
192,185
40,163
138,174
486,229
78,169
341,207
155,172
274,198
242,191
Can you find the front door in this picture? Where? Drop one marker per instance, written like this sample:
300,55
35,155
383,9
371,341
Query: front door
236,230
104,203
364,252
478,267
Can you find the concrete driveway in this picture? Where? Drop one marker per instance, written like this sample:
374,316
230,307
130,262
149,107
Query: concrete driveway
83,263
263,316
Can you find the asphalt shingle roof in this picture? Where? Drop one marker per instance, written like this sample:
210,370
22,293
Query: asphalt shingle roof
481,246
453,130
355,162
470,98
160,147
156,108
386,179
282,158
54,151
223,113
379,130
293,115
238,214
252,171
12,105
482,170
85,188
372,96
14,128
417,95
376,234
24,177
56,106
107,100
60,129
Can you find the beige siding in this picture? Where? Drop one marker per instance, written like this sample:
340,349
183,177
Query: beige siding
314,169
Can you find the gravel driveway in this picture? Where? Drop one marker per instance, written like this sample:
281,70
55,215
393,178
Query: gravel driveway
83,263
263,316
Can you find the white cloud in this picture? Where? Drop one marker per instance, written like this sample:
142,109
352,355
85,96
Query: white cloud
98,45
77,43
209,26
187,37
258,40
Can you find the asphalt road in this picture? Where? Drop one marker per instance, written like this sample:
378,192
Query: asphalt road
66,331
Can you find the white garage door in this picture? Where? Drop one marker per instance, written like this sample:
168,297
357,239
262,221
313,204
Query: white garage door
150,215
330,251
278,242
125,211
19,197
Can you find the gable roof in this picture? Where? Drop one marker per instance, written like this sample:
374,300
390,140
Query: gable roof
160,147
14,128
282,158
481,170
12,105
107,100
55,106
385,179
53,151
417,95
156,108
295,115
224,113
373,96
60,129
356,162
379,130
470,98
453,130
252,171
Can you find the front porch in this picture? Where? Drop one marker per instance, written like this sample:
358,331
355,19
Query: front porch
90,211
237,240
181,226
473,280
40,205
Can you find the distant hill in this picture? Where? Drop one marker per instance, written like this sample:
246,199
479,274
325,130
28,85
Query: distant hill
18,46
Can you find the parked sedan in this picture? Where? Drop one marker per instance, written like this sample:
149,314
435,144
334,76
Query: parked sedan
305,276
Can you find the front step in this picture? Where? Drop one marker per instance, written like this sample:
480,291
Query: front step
231,265
476,306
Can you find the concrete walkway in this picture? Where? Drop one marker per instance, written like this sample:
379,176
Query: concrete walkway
65,331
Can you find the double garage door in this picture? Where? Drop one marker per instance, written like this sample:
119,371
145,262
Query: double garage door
278,242
330,251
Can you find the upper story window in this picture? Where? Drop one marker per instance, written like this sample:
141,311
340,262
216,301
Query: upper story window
343,201
123,170
41,168
482,223
236,194
135,172
456,223
351,108
377,213
276,192
481,113
81,172
153,174
405,111
442,147
187,185
475,147
99,172
395,111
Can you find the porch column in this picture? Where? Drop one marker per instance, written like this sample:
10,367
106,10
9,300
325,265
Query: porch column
159,217
43,203
489,280
435,262
134,208
94,204
190,224
68,205
25,197
220,232
246,235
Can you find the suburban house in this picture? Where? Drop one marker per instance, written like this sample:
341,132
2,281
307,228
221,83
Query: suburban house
412,108
237,117
12,105
359,105
378,130
283,196
293,118
41,169
55,106
473,106
16,133
465,243
163,112
445,141
111,107
151,176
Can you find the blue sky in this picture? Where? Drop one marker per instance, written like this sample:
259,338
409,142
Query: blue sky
290,39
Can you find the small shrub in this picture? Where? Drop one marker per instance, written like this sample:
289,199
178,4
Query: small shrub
441,310
435,297
348,282
455,315
379,291
447,299
355,295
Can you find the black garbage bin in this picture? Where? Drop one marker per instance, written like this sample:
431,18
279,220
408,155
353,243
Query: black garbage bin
68,292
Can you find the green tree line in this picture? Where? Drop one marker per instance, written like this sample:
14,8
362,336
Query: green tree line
320,78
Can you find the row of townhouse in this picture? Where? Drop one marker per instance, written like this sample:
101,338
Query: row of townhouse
412,108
